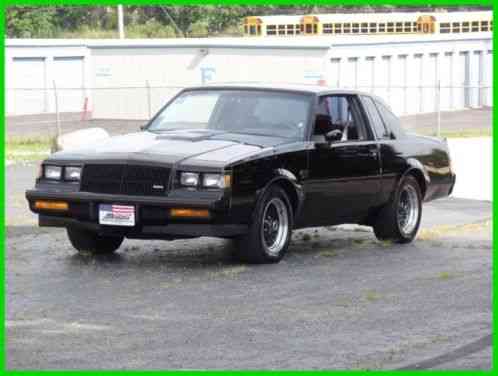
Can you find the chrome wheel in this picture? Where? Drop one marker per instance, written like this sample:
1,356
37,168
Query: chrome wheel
408,209
275,226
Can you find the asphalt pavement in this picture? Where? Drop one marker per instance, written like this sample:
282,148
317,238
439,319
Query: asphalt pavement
339,300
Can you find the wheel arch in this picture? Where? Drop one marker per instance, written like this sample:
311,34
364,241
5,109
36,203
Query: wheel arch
417,170
287,181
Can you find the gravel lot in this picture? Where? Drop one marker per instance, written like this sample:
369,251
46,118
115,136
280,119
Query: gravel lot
339,300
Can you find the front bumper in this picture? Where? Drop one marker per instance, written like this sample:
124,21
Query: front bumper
153,220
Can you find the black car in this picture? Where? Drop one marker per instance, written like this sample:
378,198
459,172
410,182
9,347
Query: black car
248,162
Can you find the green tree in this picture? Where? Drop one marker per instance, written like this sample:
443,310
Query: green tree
159,21
30,22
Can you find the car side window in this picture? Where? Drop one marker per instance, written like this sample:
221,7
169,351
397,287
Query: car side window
375,119
342,114
390,120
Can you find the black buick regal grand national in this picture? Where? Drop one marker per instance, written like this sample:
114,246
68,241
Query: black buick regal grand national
248,162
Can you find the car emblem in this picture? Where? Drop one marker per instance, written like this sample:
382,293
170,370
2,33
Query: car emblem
157,186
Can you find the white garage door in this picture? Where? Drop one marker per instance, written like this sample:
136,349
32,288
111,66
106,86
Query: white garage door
334,78
462,75
27,84
488,78
68,73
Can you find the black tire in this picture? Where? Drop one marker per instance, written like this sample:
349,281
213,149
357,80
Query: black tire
89,241
389,222
253,247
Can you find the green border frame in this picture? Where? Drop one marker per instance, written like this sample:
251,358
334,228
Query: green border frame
3,337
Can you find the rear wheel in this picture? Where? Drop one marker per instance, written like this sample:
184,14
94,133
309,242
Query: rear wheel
270,233
90,241
399,221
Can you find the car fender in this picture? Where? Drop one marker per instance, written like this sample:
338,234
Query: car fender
415,165
284,176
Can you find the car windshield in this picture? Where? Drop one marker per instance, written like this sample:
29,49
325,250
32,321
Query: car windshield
256,112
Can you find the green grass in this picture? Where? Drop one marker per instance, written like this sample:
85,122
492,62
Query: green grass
444,276
27,150
463,133
440,231
372,296
306,237
328,253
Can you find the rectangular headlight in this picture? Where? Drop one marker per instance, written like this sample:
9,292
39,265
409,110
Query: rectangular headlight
189,179
53,172
213,181
72,173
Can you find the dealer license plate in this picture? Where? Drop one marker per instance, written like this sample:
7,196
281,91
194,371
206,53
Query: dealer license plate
117,215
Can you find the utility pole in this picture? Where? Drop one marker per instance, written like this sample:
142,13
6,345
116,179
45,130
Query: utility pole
121,22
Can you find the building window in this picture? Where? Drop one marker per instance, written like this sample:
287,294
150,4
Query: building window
298,29
315,28
408,27
356,28
399,27
338,28
382,28
290,29
347,28
252,29
364,27
373,27
490,25
465,27
444,28
281,29
390,27
455,27
271,30
327,28
309,28
475,26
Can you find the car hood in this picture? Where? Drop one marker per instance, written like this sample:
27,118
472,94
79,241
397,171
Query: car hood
195,147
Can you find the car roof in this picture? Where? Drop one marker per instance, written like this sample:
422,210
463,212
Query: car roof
298,87
289,87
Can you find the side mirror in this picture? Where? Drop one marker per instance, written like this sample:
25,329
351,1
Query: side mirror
320,141
322,145
334,135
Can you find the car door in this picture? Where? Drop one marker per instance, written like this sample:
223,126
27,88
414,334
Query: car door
388,135
344,176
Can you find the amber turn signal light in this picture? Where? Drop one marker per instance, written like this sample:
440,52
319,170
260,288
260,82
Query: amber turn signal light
189,213
227,179
51,205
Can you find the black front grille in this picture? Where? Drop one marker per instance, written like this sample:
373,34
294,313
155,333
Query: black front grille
125,179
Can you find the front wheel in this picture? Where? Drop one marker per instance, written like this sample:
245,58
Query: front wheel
399,220
270,233
90,241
